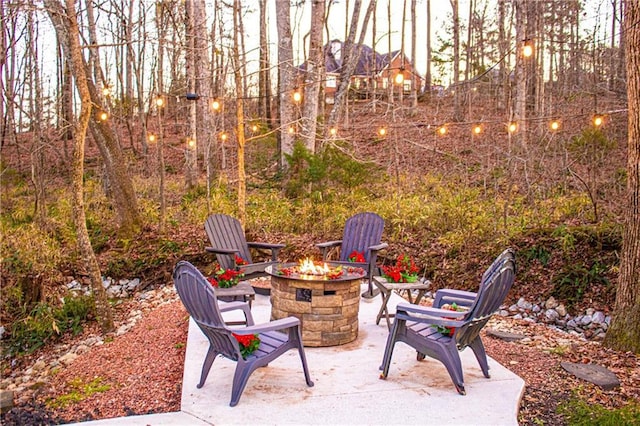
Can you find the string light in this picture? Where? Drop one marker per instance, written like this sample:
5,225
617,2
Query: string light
224,136
477,129
513,127
191,143
399,78
106,92
292,130
254,128
297,97
159,102
527,48
554,125
151,137
215,105
382,131
103,116
442,130
333,131
598,120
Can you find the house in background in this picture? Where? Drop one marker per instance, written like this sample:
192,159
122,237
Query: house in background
373,74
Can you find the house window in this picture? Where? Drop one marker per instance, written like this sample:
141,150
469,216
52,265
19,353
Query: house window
331,81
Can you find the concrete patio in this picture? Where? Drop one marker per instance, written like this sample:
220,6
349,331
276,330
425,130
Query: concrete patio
347,386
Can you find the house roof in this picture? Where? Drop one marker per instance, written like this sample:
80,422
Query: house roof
369,63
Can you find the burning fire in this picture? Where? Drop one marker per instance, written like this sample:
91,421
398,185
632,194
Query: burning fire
308,267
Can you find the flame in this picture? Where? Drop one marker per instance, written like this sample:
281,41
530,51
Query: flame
309,267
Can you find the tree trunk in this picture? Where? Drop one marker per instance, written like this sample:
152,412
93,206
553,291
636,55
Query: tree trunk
457,114
161,26
36,110
313,76
286,80
71,32
414,75
427,75
520,110
264,76
624,333
190,166
238,69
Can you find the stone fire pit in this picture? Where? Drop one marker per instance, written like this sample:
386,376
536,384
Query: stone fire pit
327,305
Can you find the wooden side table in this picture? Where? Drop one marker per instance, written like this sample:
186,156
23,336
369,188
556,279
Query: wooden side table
240,292
387,288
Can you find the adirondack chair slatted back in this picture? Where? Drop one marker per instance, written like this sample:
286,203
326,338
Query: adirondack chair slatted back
360,232
226,232
200,301
495,286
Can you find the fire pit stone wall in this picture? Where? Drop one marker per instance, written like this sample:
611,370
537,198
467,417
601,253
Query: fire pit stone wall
328,309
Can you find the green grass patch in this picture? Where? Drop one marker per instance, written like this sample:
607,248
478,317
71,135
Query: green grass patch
578,413
79,392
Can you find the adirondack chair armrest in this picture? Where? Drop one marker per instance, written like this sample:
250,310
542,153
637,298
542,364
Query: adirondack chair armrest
428,315
324,247
276,325
275,248
378,247
418,312
221,250
233,306
459,297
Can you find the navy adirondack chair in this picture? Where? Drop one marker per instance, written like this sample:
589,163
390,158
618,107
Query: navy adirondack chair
362,233
276,337
228,240
441,333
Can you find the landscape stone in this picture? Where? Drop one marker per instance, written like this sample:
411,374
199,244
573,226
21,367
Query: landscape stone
593,373
6,400
598,317
551,303
505,335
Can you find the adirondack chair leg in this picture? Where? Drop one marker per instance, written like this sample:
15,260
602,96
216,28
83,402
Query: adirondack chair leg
208,362
450,357
240,379
303,358
478,350
388,350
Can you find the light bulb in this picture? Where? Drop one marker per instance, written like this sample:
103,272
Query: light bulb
598,120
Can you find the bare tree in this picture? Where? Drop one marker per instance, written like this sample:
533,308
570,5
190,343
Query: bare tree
238,70
264,76
624,332
414,76
350,55
36,111
65,23
314,74
286,79
121,186
427,76
190,167
456,60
